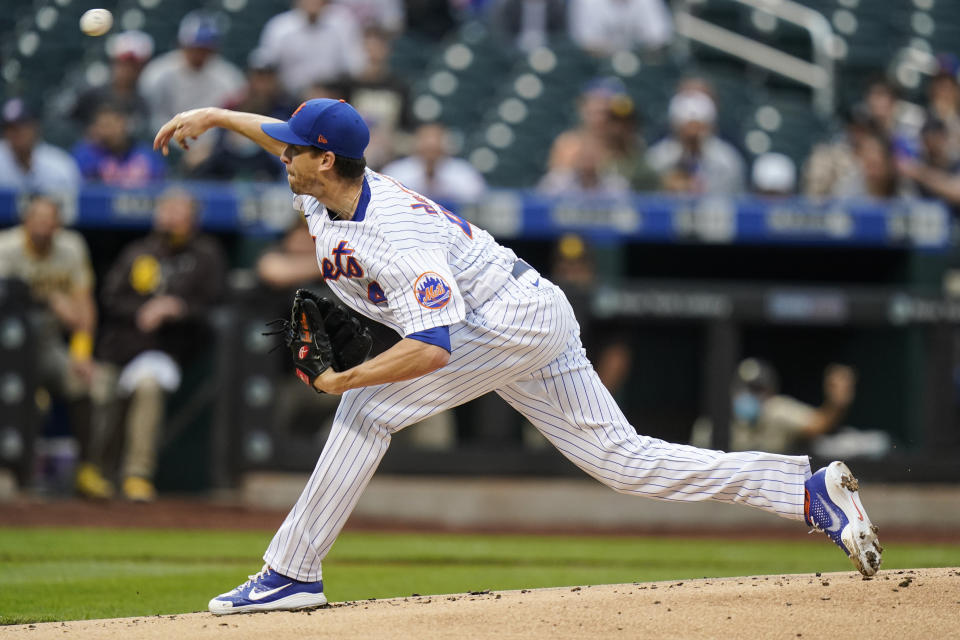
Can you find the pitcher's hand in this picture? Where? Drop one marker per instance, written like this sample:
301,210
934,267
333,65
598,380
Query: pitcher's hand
185,126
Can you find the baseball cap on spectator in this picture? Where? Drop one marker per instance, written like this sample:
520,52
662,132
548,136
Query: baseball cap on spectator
606,85
15,111
774,173
691,106
132,45
947,65
623,107
200,30
260,60
757,375
324,123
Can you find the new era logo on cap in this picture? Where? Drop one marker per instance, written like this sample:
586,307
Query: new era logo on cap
333,125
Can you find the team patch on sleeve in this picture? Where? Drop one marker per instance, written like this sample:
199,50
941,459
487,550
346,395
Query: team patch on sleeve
432,291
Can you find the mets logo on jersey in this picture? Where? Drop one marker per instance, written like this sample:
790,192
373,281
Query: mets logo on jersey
432,291
343,264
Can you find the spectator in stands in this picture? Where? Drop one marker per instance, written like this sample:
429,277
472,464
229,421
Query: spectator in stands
590,175
625,147
831,163
382,99
702,84
316,41
935,174
433,172
594,106
764,419
233,156
774,174
55,265
155,300
604,27
27,162
882,104
873,174
292,262
334,90
693,159
529,24
386,16
129,51
194,75
110,155
943,96
574,269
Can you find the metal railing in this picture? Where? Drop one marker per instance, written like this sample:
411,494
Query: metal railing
818,74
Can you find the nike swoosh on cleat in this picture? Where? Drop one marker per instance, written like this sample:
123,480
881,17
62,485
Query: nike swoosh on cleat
260,595
834,519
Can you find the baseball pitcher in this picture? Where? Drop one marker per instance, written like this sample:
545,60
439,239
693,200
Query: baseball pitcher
474,318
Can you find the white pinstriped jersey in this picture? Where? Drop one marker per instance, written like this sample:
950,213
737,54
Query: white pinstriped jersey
409,263
512,335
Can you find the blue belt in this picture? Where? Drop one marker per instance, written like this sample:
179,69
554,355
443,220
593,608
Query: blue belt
520,267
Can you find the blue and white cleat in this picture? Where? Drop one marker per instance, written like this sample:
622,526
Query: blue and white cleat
267,590
832,505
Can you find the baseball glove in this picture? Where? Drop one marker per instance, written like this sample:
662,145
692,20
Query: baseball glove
321,334
350,340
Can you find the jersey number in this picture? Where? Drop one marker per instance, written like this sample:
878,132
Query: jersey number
425,205
452,217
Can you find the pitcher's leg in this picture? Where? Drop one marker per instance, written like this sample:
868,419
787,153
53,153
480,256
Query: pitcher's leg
360,436
349,459
567,402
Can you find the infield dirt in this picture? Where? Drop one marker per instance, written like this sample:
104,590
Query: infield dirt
896,604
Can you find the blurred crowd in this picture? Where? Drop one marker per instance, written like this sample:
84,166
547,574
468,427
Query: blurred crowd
342,49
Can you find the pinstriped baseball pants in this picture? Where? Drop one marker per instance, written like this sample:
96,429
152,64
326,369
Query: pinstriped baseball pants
523,344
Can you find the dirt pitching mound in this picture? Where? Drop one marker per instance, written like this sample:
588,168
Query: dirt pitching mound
896,604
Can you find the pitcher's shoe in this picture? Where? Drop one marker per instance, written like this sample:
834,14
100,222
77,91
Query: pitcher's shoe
832,505
267,590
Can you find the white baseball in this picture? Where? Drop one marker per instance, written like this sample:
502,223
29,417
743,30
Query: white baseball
96,22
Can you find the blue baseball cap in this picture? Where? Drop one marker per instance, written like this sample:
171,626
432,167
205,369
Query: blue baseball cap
325,123
201,30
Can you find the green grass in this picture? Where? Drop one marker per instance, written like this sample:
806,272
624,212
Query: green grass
69,574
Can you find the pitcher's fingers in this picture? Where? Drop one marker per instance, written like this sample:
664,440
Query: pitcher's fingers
162,140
